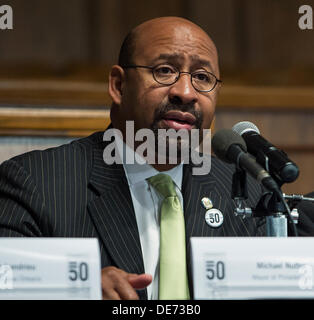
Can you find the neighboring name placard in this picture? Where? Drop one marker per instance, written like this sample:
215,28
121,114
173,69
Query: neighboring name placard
253,268
50,268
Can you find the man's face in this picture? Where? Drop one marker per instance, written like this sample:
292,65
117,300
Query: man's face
179,106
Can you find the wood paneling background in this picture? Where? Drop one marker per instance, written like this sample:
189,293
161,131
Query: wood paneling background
259,42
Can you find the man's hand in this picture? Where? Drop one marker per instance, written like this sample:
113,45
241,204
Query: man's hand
119,285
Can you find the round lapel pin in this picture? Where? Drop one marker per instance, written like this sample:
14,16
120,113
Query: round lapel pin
214,218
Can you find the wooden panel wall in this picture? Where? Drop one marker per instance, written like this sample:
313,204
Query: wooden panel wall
49,33
259,42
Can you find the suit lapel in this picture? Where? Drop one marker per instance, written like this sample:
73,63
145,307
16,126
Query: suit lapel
113,214
194,188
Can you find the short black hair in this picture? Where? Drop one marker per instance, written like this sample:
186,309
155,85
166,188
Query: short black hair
127,49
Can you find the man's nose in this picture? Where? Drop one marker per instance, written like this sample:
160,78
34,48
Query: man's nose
183,91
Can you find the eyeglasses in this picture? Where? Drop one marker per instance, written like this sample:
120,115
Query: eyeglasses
166,74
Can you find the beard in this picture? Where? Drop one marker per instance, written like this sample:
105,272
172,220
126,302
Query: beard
176,144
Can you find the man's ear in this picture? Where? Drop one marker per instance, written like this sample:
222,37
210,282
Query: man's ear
116,79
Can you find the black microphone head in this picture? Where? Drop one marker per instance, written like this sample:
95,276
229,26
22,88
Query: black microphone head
223,140
245,126
272,159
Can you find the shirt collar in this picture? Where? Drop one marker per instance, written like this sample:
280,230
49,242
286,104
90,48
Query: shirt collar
139,171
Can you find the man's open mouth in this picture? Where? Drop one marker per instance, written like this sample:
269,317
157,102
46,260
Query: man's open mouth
179,120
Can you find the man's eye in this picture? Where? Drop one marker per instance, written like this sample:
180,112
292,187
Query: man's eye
201,76
165,70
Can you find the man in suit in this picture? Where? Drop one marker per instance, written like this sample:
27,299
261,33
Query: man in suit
69,191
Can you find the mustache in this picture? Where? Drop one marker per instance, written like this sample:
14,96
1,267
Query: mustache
188,107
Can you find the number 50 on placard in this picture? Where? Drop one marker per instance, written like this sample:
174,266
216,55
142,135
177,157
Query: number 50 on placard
215,270
78,271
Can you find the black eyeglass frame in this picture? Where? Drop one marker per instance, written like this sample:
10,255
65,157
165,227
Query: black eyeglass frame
177,78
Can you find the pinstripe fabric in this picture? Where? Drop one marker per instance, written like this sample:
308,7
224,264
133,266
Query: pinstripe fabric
69,191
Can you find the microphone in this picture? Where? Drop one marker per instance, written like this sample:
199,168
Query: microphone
231,147
275,161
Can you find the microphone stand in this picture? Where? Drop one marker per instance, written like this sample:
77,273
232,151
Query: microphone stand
239,193
269,206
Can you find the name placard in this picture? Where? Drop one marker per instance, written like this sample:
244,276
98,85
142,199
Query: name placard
253,268
50,268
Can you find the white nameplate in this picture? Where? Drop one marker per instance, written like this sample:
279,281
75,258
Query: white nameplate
253,268
50,268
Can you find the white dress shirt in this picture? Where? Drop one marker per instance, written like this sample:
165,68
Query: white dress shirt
146,203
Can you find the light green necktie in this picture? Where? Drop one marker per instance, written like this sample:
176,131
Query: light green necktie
173,281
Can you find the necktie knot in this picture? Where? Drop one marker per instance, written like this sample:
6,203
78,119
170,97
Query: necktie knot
163,184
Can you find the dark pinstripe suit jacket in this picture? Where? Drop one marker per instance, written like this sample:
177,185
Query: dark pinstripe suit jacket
69,191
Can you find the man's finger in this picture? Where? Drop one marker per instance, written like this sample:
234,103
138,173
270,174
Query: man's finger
126,291
116,285
110,294
140,281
